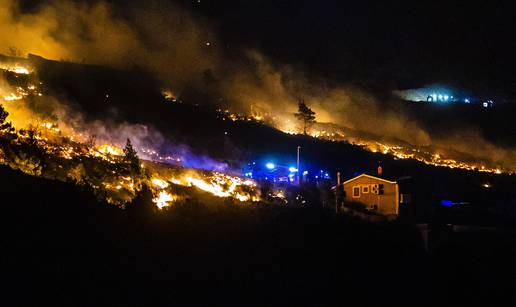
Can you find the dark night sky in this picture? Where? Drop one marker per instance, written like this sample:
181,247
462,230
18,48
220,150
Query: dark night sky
388,43
403,44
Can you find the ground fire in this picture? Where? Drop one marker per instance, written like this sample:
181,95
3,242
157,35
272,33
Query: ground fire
397,150
51,149
48,150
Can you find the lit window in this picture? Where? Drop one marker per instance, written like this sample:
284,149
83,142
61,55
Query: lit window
356,192
365,189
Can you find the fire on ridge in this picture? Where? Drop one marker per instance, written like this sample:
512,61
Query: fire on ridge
401,152
45,149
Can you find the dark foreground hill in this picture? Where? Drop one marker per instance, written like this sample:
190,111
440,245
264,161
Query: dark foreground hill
60,245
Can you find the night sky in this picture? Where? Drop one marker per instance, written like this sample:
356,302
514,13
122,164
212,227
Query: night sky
378,42
401,44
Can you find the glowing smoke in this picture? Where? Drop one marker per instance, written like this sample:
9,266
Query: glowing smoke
171,43
163,38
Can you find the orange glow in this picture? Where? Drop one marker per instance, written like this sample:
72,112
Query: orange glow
164,199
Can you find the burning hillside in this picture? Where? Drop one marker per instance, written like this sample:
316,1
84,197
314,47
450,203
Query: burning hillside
183,52
431,155
22,87
53,149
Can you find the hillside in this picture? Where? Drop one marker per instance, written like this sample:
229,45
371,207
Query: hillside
60,244
69,244
192,127
65,241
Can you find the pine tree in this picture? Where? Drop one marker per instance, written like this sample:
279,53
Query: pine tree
305,114
131,158
4,125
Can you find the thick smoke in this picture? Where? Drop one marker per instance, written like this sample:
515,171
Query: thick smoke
182,50
162,38
277,89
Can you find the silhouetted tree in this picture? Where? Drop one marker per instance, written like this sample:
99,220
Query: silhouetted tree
4,125
32,136
131,158
305,114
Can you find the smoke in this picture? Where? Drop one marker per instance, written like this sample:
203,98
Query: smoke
276,89
163,38
40,112
182,50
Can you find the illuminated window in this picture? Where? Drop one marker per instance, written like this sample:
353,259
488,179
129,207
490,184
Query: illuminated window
365,189
374,188
356,192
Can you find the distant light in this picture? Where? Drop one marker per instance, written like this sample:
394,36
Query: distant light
447,203
487,185
440,97
292,169
451,97
446,97
316,177
305,173
485,104
467,100
434,96
270,165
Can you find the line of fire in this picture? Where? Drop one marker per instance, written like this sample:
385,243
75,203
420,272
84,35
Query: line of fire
117,173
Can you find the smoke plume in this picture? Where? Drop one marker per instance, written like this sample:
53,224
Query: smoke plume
183,51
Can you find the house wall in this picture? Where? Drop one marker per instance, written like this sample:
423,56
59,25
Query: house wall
387,202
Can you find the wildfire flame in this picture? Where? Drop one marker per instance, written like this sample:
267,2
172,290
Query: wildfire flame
220,185
16,68
110,150
12,97
398,152
164,199
160,183
215,183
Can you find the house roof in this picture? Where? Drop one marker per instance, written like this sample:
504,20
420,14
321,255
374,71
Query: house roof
369,176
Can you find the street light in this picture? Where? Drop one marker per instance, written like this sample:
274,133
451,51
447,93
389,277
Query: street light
298,178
